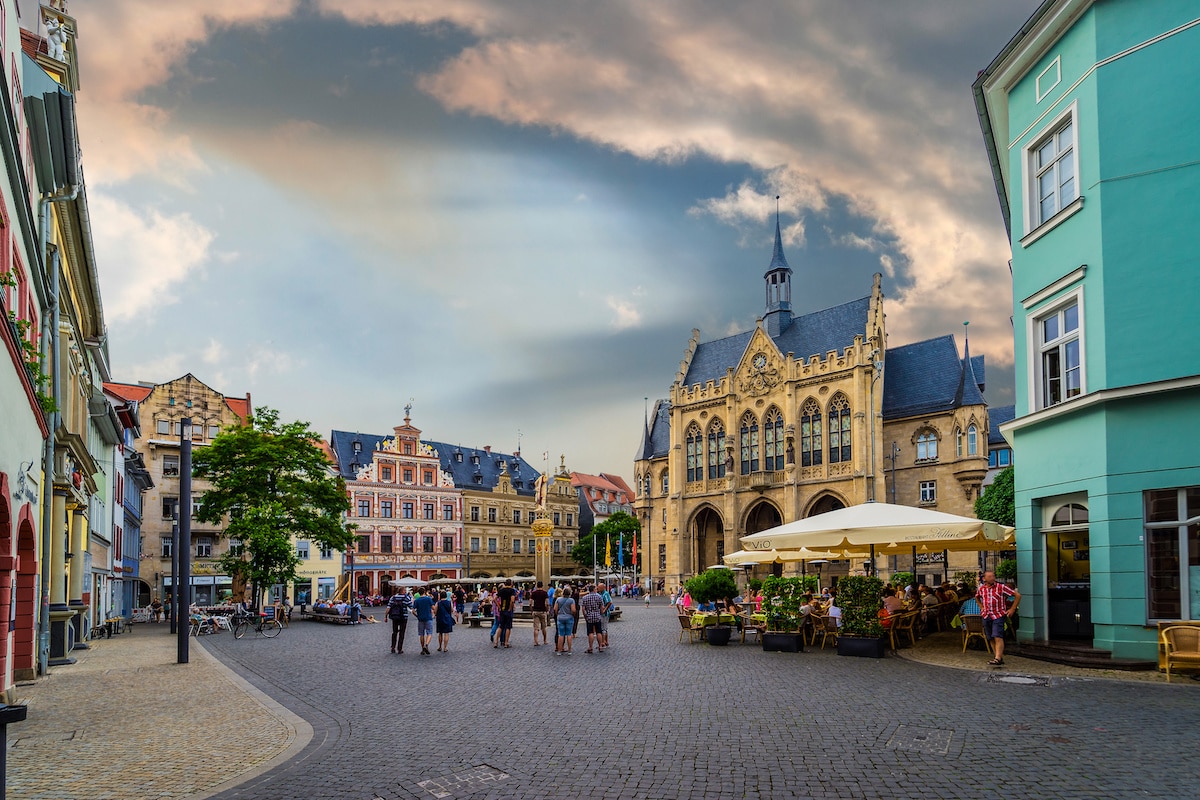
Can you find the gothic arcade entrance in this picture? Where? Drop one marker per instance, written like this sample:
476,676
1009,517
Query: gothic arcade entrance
708,538
763,517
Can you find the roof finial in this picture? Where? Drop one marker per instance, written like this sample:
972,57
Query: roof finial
966,333
776,211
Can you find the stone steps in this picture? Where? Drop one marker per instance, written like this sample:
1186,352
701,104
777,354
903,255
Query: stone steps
1079,655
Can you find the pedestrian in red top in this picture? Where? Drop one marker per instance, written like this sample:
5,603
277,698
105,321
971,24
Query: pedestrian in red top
992,607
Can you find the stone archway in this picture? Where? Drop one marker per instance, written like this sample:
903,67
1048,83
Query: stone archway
825,503
763,516
24,639
708,539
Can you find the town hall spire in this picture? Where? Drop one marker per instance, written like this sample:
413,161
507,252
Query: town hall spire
779,286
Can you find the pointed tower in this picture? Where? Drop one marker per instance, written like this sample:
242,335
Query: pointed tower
779,287
968,393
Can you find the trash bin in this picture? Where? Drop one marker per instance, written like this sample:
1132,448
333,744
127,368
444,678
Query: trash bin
355,613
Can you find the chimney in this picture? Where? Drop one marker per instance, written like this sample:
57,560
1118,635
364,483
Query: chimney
487,448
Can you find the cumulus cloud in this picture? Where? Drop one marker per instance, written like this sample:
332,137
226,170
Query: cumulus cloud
795,91
129,46
146,255
625,313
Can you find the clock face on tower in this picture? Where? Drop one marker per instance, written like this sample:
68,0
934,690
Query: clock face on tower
760,361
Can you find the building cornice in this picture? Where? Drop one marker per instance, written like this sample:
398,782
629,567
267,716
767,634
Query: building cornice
1088,401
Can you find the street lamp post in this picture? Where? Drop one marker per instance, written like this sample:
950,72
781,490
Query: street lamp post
174,615
185,540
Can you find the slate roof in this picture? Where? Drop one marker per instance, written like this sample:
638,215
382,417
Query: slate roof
778,259
997,416
656,438
524,475
809,334
348,461
928,377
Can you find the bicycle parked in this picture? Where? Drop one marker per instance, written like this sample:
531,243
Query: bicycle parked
262,624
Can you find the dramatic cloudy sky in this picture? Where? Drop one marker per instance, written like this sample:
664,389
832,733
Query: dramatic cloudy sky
514,211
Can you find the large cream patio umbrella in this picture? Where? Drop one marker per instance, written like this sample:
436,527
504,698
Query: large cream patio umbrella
884,528
773,556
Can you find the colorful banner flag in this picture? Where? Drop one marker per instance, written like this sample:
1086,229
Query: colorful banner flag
621,550
635,551
607,551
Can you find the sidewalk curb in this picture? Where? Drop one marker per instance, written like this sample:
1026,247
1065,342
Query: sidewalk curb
300,731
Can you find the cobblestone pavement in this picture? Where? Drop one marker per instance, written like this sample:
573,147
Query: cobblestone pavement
655,718
126,721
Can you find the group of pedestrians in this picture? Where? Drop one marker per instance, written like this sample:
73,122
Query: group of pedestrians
436,611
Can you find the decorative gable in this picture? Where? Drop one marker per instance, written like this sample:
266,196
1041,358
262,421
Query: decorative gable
761,367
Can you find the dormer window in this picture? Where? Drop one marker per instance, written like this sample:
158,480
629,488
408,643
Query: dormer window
357,447
475,460
458,457
478,478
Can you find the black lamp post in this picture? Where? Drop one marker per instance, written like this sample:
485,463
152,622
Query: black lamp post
184,578
173,617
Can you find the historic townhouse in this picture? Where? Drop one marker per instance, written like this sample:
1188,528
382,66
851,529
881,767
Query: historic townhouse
500,504
408,511
600,496
24,304
162,408
1089,120
802,415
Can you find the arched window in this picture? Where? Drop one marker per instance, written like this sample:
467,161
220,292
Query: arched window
773,444
666,483
646,485
958,442
972,440
810,434
716,449
927,446
749,444
839,429
695,453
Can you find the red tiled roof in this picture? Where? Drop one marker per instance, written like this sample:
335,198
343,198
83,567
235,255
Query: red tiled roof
32,44
327,449
134,392
239,406
613,488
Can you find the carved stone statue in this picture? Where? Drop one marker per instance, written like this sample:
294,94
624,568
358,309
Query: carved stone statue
56,38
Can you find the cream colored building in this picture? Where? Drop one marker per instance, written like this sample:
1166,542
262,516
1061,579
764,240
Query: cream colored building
162,407
802,415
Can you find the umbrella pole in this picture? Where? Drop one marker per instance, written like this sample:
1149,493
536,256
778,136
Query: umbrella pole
872,561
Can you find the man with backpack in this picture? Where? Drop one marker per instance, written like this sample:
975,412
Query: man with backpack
398,608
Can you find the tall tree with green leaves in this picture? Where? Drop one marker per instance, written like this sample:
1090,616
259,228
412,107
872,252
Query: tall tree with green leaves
274,484
998,502
615,526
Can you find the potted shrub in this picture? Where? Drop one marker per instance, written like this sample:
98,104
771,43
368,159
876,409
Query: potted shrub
708,587
783,597
860,598
1006,570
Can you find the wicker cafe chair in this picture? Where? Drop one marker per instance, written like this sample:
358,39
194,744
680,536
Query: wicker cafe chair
694,632
972,628
1182,646
902,625
828,630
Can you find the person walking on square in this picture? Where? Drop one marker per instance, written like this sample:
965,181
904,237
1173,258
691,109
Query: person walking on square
565,609
991,597
156,607
423,610
460,602
398,607
445,622
606,596
593,611
506,606
540,609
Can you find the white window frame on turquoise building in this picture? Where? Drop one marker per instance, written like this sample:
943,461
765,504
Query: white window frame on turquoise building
1038,224
1038,349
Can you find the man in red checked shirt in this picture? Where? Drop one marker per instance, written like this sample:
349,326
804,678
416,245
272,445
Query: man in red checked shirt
993,609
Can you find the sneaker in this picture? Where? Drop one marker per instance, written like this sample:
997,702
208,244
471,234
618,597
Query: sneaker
558,652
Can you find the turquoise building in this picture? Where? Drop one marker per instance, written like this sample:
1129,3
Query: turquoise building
1092,125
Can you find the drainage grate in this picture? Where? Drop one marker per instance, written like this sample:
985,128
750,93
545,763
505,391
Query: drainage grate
463,783
921,740
1020,680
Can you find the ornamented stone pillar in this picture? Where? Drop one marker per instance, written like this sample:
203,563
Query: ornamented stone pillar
78,547
57,550
542,529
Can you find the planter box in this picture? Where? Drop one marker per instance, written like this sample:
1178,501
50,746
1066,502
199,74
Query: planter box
718,635
861,646
774,642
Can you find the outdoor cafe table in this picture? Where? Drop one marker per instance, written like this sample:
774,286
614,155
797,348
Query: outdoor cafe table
706,619
759,618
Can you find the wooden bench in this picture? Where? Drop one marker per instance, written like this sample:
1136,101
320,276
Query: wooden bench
320,616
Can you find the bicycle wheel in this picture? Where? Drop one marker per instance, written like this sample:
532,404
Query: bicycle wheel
240,629
271,629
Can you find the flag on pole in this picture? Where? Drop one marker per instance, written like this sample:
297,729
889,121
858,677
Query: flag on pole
635,551
607,551
621,550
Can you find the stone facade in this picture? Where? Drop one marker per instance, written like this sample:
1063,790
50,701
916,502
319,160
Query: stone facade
800,416
161,409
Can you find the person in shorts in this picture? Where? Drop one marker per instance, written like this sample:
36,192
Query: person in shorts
607,597
592,605
565,609
506,607
423,610
539,605
992,599
398,608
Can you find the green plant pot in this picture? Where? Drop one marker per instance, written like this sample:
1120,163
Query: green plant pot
860,646
776,642
718,635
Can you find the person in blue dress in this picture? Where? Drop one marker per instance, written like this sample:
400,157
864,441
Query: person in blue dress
445,622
